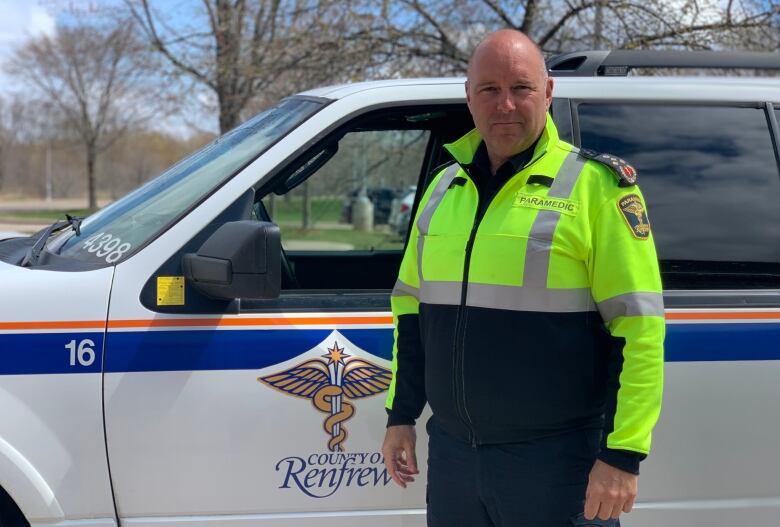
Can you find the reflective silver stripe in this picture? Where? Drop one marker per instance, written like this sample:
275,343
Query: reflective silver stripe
632,305
404,289
513,298
537,253
424,221
447,293
516,298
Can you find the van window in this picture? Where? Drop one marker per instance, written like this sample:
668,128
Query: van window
373,169
709,176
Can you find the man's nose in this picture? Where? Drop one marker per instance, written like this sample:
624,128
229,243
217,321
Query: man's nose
505,102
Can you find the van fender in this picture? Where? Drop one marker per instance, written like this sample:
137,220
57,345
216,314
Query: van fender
29,490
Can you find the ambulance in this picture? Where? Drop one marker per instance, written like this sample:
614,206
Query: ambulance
197,354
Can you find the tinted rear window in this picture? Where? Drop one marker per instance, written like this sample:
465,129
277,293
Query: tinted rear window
708,173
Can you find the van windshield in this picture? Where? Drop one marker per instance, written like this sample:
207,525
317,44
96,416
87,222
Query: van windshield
125,225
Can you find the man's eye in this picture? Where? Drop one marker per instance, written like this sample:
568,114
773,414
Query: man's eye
489,89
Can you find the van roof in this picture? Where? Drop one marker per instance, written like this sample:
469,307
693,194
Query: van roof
638,88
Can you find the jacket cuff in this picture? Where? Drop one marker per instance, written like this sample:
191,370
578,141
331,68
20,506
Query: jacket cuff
624,460
393,419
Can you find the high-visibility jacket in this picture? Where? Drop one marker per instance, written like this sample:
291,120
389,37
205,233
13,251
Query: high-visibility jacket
541,316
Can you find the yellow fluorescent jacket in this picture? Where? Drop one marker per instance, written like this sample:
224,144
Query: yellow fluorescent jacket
561,322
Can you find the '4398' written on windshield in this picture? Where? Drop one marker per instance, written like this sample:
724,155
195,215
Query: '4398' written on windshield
106,246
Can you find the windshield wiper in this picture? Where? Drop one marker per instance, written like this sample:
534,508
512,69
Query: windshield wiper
75,223
31,258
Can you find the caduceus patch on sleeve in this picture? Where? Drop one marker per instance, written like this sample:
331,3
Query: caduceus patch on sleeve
633,211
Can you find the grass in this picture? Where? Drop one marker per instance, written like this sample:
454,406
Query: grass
41,215
322,209
288,214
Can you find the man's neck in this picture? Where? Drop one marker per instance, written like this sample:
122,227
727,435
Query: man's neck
497,161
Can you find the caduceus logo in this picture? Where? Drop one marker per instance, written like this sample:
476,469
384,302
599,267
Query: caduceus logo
327,382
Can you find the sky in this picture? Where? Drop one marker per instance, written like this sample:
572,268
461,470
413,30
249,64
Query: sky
22,19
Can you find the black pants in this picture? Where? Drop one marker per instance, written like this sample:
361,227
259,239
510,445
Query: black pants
539,483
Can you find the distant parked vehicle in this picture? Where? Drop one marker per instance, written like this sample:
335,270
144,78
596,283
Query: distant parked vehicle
402,210
382,199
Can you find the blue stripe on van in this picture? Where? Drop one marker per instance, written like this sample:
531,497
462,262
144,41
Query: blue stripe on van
38,353
722,342
211,349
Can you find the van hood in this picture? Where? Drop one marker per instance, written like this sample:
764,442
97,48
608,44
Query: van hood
40,299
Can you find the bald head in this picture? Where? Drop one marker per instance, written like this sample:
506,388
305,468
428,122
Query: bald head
508,41
508,93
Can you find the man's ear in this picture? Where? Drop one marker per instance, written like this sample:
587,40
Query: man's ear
466,86
548,91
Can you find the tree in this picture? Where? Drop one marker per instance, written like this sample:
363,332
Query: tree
436,36
242,51
96,77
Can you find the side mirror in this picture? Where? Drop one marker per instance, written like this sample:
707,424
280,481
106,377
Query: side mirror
242,259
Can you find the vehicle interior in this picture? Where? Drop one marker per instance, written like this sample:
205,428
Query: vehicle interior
369,268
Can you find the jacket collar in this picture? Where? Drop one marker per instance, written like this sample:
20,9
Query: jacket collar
463,149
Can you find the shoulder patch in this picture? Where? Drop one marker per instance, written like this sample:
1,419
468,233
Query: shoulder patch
626,174
634,213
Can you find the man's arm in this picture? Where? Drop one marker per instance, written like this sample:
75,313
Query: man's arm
406,395
626,286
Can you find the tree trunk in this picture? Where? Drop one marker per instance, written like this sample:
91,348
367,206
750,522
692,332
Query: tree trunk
597,25
306,207
2,165
91,155
228,112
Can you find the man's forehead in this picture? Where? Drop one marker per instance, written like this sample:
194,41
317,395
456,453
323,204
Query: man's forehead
514,69
500,58
494,77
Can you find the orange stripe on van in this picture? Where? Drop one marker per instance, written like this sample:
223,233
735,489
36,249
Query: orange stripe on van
313,321
228,322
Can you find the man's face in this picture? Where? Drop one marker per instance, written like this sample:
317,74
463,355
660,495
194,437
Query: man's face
508,96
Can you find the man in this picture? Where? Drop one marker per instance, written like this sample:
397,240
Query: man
529,316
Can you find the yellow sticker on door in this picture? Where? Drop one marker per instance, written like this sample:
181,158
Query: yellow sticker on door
170,290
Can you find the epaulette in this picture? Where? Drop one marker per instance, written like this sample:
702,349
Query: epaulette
625,173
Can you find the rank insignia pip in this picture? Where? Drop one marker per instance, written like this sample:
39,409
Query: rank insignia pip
626,174
633,211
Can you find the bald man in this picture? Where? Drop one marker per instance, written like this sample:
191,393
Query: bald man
541,351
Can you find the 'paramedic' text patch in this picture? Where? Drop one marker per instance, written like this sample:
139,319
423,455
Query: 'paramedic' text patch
564,206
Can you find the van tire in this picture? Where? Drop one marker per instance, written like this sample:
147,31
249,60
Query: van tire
10,515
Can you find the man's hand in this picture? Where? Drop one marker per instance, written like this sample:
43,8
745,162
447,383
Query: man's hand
398,451
610,491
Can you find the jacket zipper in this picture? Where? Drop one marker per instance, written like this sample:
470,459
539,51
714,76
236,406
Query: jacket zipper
460,326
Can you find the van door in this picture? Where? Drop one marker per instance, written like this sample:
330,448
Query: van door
271,412
709,173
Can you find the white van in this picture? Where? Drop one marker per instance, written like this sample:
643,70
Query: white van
192,356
